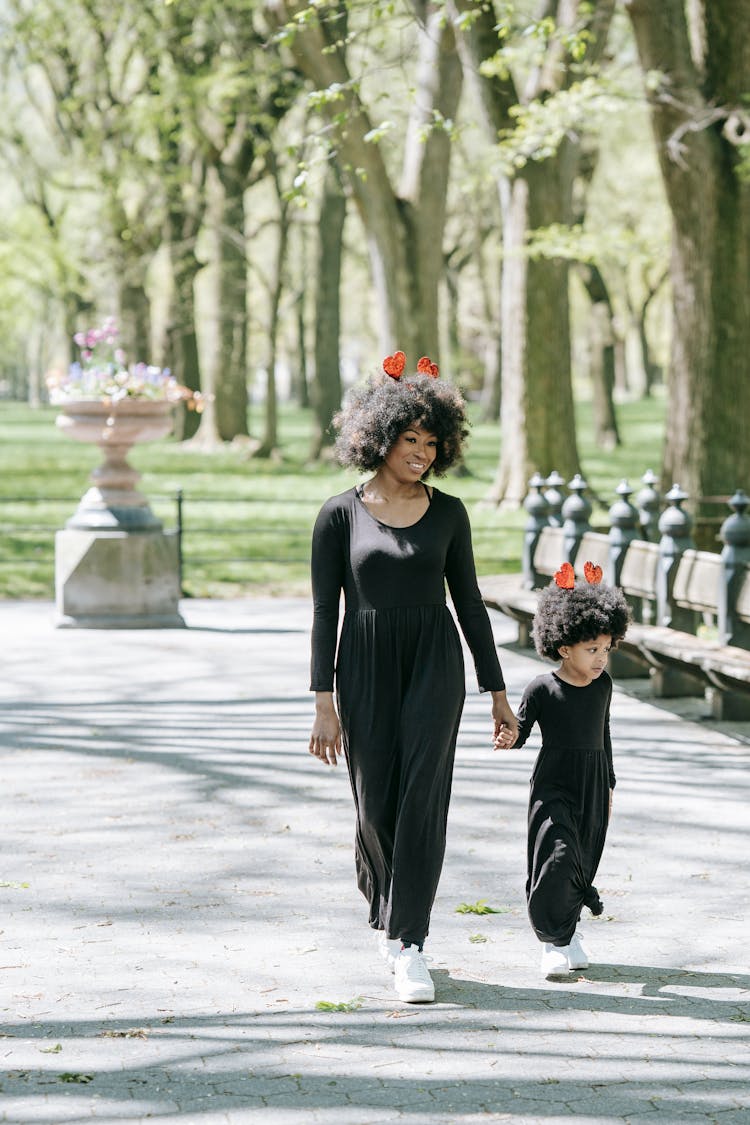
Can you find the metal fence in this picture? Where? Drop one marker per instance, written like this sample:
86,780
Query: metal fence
202,542
220,538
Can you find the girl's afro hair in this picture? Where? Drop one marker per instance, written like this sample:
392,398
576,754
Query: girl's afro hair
377,413
567,617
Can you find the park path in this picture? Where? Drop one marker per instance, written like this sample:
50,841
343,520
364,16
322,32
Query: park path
178,897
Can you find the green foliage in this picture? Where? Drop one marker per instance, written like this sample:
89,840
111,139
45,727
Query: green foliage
541,125
480,907
262,510
342,1006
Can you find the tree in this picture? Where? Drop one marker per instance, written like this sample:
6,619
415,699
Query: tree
404,225
327,387
535,188
696,57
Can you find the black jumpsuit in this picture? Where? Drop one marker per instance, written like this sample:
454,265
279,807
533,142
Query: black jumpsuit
569,799
400,686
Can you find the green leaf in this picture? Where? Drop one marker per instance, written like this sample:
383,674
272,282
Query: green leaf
478,939
80,1078
479,907
342,1006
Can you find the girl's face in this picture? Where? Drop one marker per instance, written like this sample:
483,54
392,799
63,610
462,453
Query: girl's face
412,454
585,661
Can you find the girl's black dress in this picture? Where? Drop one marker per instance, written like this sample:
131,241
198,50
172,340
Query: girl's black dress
400,686
569,800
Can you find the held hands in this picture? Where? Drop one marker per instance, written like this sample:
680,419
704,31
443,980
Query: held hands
325,740
506,724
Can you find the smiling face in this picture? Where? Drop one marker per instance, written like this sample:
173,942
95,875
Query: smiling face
585,661
412,454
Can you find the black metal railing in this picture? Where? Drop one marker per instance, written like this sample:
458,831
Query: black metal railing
205,545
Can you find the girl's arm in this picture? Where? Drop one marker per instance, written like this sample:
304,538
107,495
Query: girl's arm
608,747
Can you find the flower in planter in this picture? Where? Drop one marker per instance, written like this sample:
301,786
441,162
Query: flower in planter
103,375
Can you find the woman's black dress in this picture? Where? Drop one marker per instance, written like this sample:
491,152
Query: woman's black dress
569,800
400,686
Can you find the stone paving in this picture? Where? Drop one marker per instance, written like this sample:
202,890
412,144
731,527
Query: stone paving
182,940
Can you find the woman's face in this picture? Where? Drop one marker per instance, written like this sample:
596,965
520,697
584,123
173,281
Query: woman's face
412,454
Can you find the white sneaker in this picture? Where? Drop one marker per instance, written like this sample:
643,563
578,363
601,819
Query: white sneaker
413,981
389,949
578,954
554,960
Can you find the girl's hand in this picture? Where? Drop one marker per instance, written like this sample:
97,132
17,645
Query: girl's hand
325,740
504,738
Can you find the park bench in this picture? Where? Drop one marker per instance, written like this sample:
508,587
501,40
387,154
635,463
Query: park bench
680,659
691,609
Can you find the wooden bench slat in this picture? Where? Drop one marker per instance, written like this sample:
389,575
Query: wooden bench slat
696,584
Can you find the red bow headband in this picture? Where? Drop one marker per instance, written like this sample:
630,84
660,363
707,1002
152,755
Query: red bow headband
565,577
394,365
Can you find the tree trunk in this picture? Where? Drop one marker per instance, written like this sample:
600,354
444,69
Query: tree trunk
301,380
231,385
537,420
491,398
135,323
209,434
697,117
327,386
182,340
405,230
270,439
601,357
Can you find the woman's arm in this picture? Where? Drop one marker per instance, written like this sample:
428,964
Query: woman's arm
460,573
327,573
325,739
327,569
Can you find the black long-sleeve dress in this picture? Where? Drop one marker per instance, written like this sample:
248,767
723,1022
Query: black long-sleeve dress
400,686
569,799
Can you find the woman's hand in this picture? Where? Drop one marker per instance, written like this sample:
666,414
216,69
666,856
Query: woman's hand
506,724
325,740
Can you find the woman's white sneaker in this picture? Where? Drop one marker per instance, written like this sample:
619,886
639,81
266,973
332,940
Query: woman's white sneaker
389,949
554,960
413,981
578,954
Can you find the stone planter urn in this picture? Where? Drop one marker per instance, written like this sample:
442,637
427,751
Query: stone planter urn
115,566
113,500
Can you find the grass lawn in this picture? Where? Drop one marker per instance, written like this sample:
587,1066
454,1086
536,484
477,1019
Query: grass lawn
246,521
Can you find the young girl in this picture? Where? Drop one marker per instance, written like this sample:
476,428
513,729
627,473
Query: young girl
573,778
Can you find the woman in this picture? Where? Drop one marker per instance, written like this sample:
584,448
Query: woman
391,544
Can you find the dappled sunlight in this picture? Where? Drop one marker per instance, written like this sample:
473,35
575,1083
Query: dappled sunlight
178,870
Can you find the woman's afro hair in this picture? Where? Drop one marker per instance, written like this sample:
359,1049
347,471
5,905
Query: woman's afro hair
567,617
377,413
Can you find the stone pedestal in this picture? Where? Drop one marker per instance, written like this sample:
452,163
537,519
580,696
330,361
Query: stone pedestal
117,579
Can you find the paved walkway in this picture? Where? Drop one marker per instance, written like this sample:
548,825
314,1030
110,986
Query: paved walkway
178,898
